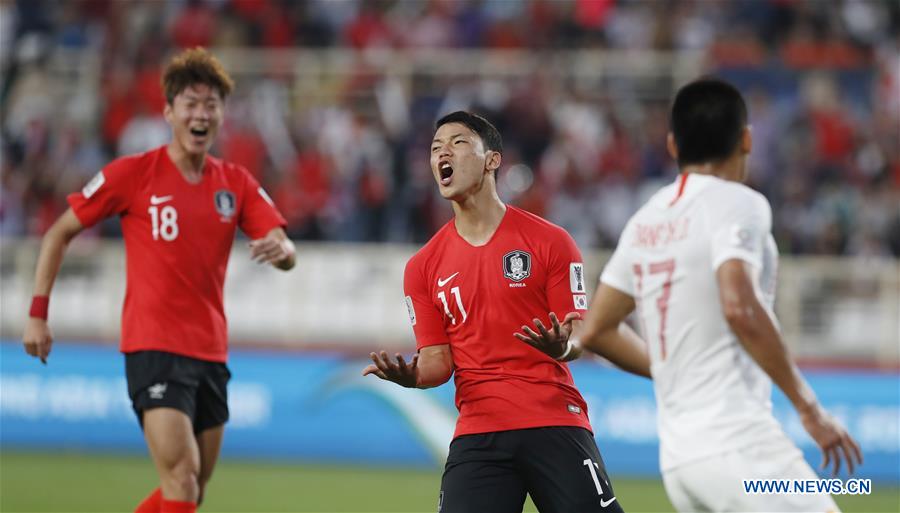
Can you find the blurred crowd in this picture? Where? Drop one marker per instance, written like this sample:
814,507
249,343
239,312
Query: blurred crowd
345,154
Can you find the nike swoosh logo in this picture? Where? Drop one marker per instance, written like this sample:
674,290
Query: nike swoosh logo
604,503
441,282
156,200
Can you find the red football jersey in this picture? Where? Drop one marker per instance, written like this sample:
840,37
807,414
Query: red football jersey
475,298
178,237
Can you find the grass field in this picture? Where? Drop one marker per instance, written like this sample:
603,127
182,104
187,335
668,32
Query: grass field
92,483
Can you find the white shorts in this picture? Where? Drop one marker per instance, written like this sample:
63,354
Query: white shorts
716,483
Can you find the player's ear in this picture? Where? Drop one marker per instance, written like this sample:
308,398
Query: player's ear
492,163
670,145
167,112
746,140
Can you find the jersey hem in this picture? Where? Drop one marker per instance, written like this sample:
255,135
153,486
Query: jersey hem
513,426
266,231
79,215
724,450
207,357
736,255
423,345
614,283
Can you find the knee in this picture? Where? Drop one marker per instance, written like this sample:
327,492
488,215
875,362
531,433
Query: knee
183,478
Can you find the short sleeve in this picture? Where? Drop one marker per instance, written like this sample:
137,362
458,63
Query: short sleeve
426,320
566,289
258,213
739,229
109,192
618,272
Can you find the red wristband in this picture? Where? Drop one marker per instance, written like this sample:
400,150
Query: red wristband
39,307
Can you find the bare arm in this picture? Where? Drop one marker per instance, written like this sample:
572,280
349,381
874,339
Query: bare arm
755,329
275,248
750,321
435,366
606,333
53,246
38,338
431,367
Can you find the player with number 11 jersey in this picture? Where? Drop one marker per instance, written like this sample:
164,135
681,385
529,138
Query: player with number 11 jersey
523,426
475,297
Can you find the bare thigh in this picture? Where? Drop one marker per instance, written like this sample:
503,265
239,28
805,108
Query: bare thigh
170,438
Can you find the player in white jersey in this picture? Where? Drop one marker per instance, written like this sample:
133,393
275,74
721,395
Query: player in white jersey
698,262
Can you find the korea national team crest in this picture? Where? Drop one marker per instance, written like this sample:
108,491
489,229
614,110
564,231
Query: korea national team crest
225,204
517,265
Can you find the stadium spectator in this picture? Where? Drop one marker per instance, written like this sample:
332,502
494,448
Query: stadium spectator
770,48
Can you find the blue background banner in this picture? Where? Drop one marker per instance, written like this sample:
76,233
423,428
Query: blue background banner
315,407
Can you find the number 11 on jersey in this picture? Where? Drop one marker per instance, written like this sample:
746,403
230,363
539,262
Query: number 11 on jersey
455,293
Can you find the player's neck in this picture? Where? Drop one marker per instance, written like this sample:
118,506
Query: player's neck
478,218
730,169
190,165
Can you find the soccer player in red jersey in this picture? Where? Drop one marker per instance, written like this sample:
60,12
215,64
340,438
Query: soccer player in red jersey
179,208
523,426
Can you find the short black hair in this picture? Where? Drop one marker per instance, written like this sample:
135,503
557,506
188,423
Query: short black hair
707,120
490,137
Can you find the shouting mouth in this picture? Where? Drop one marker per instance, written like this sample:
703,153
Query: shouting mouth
199,133
446,171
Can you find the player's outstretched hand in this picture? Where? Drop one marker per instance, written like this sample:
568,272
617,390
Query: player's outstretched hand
832,438
271,250
400,372
37,338
551,342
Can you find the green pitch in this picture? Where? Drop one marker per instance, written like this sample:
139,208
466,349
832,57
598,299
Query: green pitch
92,483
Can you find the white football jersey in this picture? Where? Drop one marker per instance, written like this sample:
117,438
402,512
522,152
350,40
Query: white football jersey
711,396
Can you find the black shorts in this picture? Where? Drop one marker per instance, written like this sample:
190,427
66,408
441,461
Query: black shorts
560,467
158,379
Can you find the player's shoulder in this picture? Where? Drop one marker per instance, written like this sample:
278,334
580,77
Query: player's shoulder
134,163
524,220
230,169
723,196
433,248
235,177
734,190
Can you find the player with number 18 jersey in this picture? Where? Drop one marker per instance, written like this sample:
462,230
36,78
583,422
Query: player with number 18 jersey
179,208
178,237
